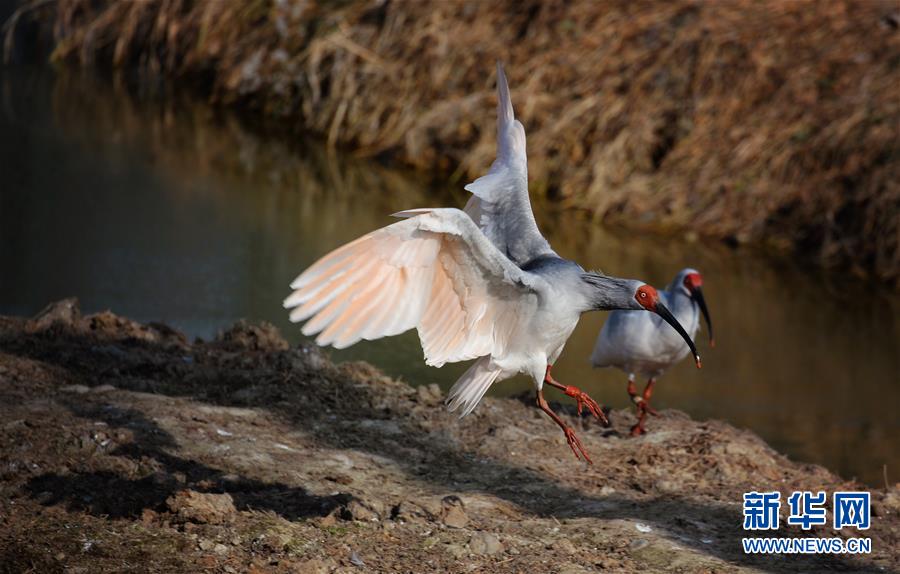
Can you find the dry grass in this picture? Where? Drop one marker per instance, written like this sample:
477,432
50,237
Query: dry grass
771,122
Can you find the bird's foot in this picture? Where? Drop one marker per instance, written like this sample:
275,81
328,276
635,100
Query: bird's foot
576,446
583,400
644,408
573,441
642,403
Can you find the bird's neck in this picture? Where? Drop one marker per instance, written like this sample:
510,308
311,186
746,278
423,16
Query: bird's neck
682,306
605,293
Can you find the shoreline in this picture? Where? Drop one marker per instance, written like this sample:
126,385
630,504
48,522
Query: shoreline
126,444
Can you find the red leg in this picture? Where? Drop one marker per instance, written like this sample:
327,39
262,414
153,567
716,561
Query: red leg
573,441
582,399
642,402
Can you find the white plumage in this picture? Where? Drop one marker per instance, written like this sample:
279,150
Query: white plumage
481,284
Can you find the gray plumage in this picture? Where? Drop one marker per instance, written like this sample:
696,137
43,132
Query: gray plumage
484,284
500,204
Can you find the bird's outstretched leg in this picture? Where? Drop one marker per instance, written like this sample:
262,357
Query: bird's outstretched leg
581,398
573,441
642,402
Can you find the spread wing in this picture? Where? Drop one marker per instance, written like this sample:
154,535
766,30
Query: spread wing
435,271
500,204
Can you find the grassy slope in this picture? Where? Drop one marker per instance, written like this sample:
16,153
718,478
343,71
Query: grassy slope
767,122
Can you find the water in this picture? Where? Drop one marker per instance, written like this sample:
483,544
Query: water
162,209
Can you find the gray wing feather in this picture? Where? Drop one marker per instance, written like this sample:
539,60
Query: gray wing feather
500,204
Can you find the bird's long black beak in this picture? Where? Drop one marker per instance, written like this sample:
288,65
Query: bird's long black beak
697,295
664,312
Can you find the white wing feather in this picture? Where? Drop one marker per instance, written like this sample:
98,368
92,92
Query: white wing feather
435,271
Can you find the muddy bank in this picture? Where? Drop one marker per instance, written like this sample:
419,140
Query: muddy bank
126,447
764,122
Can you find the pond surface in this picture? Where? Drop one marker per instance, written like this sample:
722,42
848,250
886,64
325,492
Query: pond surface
162,209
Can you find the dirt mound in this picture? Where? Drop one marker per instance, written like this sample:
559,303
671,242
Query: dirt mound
769,122
124,451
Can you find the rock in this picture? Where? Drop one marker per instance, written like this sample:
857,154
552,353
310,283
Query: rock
453,512
485,544
63,313
77,389
204,508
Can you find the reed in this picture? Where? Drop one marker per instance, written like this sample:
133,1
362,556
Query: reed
765,122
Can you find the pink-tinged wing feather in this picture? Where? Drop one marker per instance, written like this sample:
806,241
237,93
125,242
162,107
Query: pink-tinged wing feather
434,271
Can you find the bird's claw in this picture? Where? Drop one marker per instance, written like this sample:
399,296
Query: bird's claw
644,406
582,399
576,446
643,409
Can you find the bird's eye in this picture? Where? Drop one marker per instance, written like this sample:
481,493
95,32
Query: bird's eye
643,295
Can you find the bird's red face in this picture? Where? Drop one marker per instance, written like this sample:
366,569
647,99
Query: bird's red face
693,281
647,297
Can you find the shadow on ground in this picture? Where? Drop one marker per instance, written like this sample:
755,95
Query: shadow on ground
300,386
106,493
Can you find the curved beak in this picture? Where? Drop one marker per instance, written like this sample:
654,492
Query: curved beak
664,312
697,295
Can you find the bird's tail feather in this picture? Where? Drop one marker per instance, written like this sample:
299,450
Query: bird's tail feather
470,388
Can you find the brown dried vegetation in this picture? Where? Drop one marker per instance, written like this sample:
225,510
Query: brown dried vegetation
768,122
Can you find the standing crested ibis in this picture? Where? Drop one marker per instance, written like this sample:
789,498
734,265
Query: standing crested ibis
478,284
639,343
